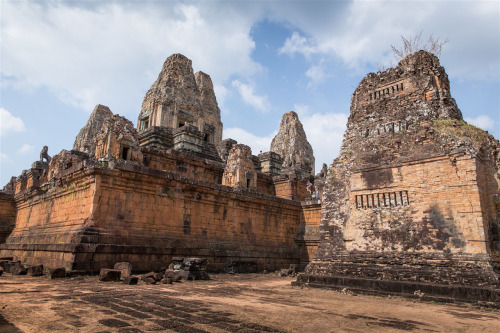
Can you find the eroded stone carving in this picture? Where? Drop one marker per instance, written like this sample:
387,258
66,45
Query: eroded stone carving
44,154
179,97
85,140
291,143
399,201
240,171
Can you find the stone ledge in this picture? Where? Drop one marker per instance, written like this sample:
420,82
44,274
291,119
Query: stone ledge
427,292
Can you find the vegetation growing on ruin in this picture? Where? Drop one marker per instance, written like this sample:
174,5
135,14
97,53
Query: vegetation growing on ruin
460,130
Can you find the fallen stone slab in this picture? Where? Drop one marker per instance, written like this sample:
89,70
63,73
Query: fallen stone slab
7,266
57,273
167,280
3,262
148,275
36,270
171,274
108,275
195,264
193,275
18,269
76,273
149,280
125,268
130,280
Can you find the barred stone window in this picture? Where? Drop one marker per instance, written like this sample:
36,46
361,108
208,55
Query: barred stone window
382,200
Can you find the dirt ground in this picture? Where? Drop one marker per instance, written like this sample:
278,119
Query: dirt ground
226,303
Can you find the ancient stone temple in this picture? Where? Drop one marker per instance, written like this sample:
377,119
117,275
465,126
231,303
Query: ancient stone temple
176,99
291,143
169,188
409,204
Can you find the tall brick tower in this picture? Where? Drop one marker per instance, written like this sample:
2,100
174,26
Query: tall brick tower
409,203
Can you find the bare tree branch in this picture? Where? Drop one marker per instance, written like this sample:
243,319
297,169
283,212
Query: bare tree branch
414,44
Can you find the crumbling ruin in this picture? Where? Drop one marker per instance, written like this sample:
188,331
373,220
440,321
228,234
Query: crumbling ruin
169,188
409,204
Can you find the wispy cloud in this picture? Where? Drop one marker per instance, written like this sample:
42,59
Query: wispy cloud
110,43
249,96
26,149
257,143
482,121
298,44
10,123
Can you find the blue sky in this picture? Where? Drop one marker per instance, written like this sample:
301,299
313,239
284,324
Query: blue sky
61,58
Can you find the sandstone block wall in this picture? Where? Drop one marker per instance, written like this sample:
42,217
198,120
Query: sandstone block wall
7,215
307,238
49,224
408,203
101,215
291,189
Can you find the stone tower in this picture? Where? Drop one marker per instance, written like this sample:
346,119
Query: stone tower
84,141
179,97
409,203
291,143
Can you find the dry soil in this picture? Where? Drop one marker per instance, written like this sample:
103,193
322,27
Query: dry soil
226,303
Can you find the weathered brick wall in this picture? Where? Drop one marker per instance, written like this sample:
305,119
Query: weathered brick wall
167,215
185,164
7,215
430,205
420,221
407,205
291,189
308,236
49,224
97,216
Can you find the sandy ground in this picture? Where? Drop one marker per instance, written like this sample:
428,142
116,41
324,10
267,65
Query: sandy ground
227,303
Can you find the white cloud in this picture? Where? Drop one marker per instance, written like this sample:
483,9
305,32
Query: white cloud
221,93
482,121
257,143
109,52
297,44
249,96
317,74
10,123
4,158
361,32
26,149
325,132
301,109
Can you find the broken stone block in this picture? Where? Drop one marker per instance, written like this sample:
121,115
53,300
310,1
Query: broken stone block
57,273
130,280
35,270
148,275
167,280
18,269
125,268
3,263
177,263
7,265
193,275
283,272
170,274
1,271
107,275
161,270
149,280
